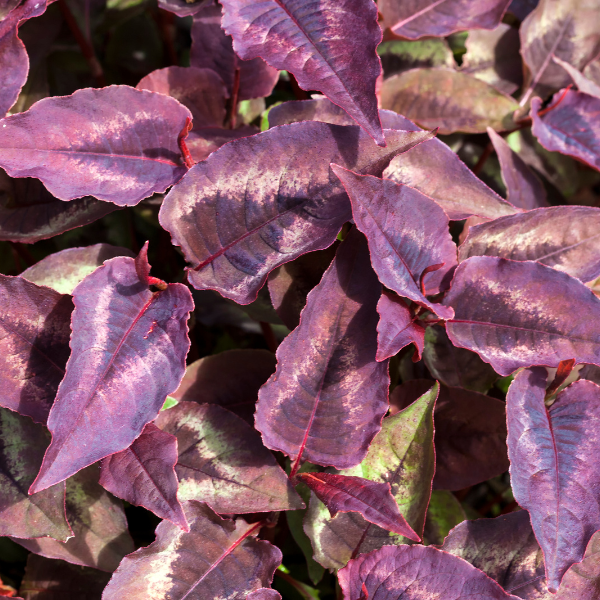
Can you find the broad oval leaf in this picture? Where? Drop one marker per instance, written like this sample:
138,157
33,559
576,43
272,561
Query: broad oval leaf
144,475
117,143
566,238
218,558
128,352
223,462
328,396
518,314
413,19
406,572
408,237
550,468
262,201
34,345
324,44
203,142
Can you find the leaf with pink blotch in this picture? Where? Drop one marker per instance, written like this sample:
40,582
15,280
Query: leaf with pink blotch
144,474
329,46
411,248
571,127
128,352
517,314
212,49
217,558
551,473
406,572
413,19
34,345
117,143
328,396
262,201
373,500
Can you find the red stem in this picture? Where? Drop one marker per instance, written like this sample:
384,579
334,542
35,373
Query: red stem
187,157
487,152
235,92
546,110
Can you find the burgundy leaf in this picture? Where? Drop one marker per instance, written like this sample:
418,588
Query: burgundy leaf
518,314
571,127
22,446
64,270
223,462
407,233
6,6
230,379
128,352
200,90
449,100
218,558
98,522
328,396
582,580
184,8
329,46
374,501
406,572
264,594
144,475
118,144
34,345
264,200
566,238
551,472
521,8
212,49
397,327
413,19
203,142
523,187
585,85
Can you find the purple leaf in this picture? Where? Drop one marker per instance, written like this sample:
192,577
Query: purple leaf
592,70
449,100
218,558
230,379
329,46
397,327
128,352
264,594
203,142
523,187
184,8
34,345
98,522
374,501
550,468
212,49
518,314
64,270
571,127
201,90
563,237
144,475
413,19
117,143
406,572
328,396
407,234
585,85
581,581
264,200
223,462
22,446
521,8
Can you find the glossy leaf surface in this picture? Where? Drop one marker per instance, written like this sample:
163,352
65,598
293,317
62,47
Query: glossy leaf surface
128,352
218,558
118,144
327,365
329,46
291,204
518,314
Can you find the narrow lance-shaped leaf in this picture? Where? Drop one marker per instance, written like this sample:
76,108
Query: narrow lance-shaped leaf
551,472
144,475
407,234
518,314
290,204
329,46
585,85
117,143
328,396
128,352
218,558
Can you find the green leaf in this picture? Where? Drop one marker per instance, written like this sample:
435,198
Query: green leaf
402,55
444,513
170,402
